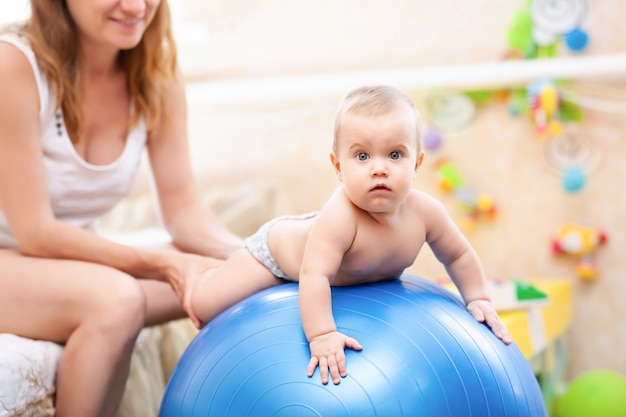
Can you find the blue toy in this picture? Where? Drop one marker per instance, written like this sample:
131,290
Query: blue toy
423,355
573,179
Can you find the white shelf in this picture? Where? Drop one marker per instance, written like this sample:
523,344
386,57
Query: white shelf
454,77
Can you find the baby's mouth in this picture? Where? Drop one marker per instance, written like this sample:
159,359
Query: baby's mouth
380,187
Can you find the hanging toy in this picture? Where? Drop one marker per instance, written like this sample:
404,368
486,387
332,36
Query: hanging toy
573,179
544,106
576,40
475,206
450,111
556,19
580,242
519,37
432,139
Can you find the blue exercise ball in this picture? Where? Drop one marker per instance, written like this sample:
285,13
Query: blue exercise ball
423,355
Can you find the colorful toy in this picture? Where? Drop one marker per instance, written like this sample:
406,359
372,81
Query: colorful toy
432,139
593,394
543,103
514,294
449,111
537,28
535,32
580,242
474,205
423,355
554,19
576,40
509,294
544,106
573,179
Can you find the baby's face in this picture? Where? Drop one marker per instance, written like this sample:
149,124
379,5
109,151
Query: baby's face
377,158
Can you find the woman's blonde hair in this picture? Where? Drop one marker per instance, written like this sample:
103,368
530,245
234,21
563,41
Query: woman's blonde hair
376,99
52,36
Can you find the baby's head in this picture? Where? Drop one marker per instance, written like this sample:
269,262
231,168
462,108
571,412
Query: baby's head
377,147
376,100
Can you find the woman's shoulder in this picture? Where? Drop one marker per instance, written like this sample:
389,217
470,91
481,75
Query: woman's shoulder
14,60
20,79
16,40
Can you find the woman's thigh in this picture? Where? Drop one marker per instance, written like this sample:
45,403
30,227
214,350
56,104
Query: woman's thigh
48,298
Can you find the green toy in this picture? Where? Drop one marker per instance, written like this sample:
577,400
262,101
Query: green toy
596,393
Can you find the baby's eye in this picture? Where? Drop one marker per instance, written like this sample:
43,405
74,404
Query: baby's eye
362,156
394,155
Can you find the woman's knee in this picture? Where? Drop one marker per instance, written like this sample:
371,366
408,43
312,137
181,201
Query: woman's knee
120,305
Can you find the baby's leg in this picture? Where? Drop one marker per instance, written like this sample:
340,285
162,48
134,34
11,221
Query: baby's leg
237,278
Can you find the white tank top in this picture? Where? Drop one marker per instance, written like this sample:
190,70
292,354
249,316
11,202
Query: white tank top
80,192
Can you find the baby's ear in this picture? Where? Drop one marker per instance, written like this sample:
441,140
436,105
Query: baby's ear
336,164
420,159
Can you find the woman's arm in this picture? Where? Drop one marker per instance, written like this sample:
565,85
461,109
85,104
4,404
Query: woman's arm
24,197
193,227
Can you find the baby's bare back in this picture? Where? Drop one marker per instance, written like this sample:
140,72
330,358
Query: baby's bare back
379,250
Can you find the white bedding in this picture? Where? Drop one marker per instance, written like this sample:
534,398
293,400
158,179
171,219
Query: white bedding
28,367
27,375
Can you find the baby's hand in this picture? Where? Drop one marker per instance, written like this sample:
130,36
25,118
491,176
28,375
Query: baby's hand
483,311
327,352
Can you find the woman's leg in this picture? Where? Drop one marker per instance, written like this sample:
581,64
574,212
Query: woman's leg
162,303
96,311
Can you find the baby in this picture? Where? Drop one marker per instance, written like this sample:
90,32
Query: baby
370,229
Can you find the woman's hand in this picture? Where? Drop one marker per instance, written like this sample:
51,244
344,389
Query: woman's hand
327,352
182,270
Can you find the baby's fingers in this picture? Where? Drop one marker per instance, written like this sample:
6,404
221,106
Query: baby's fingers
484,312
476,312
329,366
353,344
337,368
313,362
499,329
323,365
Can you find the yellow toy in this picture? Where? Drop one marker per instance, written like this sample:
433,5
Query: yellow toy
580,242
475,206
544,103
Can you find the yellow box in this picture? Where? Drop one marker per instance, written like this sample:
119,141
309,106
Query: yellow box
534,332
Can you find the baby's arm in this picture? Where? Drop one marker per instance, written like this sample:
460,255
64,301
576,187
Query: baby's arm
468,276
454,251
329,238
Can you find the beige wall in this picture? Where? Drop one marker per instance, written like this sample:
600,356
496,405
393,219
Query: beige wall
276,37
288,140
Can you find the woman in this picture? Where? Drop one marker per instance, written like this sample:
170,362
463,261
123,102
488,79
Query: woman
86,86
